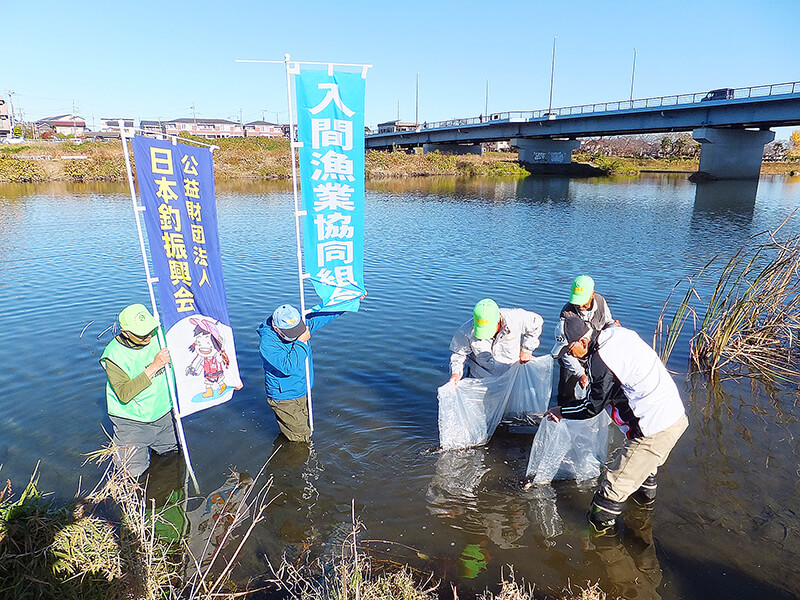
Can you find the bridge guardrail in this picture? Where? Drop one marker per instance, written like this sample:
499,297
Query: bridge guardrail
756,91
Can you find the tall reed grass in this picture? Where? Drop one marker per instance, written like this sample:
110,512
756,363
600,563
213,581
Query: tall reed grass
747,322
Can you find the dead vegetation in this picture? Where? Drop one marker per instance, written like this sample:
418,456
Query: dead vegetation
747,323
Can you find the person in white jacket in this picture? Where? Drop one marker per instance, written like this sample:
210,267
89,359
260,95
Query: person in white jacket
493,340
626,377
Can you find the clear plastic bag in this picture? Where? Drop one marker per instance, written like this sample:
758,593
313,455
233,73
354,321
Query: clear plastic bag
470,411
569,449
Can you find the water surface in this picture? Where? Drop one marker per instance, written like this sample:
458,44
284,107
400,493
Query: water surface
726,521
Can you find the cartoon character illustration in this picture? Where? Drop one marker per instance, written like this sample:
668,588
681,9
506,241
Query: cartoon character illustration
209,347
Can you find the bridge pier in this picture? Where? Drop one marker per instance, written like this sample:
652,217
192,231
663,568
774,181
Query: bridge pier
731,153
545,155
453,148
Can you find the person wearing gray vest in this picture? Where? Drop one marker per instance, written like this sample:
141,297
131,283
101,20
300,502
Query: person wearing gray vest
137,392
590,307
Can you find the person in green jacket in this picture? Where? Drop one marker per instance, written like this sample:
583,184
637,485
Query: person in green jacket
137,391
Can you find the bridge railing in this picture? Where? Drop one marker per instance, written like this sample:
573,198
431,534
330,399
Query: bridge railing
515,116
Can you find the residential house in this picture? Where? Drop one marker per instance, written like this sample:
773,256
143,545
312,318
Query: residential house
207,128
5,119
286,129
396,125
107,124
152,126
262,129
63,125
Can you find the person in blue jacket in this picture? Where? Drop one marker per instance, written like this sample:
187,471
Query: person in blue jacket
284,348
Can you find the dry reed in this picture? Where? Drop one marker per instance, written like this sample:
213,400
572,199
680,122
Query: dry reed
749,323
107,545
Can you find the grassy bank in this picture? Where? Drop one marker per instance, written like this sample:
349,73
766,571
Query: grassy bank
111,545
621,165
236,158
268,158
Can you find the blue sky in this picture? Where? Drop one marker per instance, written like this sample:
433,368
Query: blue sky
151,60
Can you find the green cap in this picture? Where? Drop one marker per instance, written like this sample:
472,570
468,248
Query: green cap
137,319
487,316
582,289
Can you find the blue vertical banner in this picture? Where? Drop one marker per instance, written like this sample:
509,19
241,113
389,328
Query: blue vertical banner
330,126
176,185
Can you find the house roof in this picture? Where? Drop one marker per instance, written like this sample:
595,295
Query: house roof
67,119
192,120
253,123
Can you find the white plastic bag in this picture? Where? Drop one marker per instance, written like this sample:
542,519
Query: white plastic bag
470,411
532,388
569,449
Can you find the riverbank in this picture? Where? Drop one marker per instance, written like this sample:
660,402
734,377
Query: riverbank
623,165
236,158
112,545
268,158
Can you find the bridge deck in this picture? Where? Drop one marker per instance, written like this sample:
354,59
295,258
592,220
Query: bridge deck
669,115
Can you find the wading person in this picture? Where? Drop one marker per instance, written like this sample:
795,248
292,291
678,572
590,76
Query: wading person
284,347
591,307
626,375
493,340
137,392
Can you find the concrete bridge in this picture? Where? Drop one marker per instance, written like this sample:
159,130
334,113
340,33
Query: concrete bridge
731,130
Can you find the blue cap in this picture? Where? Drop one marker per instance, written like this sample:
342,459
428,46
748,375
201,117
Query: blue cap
286,319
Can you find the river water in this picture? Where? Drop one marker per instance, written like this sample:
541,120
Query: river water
726,521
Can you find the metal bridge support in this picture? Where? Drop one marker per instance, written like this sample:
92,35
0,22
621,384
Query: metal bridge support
453,148
545,155
731,153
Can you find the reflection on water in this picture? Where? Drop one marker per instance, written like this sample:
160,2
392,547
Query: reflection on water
544,511
629,562
544,189
455,496
730,491
731,198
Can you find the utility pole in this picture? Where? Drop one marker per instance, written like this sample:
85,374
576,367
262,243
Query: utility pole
74,118
633,73
11,106
416,104
398,110
552,75
194,118
486,106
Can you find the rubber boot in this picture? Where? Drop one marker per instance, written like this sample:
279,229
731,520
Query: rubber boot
645,496
603,515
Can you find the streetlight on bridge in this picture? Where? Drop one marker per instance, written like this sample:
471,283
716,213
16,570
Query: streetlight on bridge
552,74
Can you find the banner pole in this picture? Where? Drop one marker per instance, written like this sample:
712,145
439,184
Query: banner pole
150,280
297,215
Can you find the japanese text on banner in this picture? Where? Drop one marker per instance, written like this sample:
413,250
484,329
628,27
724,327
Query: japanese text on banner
176,184
331,128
